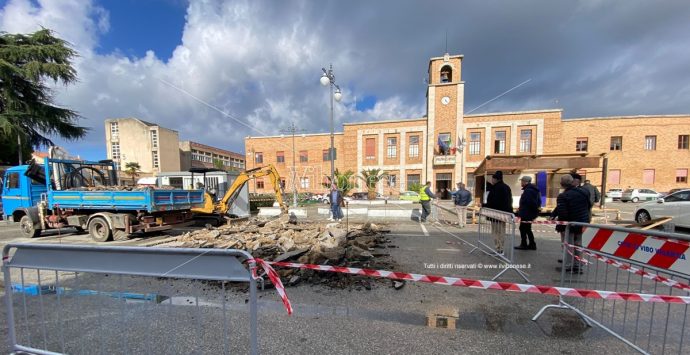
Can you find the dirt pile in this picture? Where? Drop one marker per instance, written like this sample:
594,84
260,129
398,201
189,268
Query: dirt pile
282,239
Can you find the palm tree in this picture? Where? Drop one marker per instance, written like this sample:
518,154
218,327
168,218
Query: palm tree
371,178
26,102
132,169
344,181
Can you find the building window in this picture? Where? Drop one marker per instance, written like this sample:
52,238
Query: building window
259,184
617,143
581,144
280,157
682,175
303,156
414,147
114,130
525,141
370,149
155,159
154,139
259,157
444,143
650,143
115,151
304,182
413,179
391,147
500,142
475,143
614,177
325,154
683,141
392,179
648,176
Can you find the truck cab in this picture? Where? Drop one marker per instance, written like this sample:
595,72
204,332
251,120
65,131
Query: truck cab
19,192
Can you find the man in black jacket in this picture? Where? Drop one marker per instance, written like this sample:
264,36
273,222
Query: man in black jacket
572,205
500,198
530,203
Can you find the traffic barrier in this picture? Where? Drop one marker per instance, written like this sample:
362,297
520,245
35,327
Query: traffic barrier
93,299
615,259
499,226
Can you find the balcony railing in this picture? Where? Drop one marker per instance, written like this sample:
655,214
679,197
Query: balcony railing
444,159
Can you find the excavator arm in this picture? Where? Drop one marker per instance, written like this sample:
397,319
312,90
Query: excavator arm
231,194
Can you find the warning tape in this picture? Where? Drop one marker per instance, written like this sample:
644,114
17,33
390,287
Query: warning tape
630,268
518,220
275,279
493,285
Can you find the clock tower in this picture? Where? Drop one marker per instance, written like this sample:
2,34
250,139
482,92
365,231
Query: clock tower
445,107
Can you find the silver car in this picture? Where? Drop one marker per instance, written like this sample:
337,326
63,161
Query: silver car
675,205
636,195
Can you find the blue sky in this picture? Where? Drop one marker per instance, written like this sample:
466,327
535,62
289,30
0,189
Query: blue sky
220,70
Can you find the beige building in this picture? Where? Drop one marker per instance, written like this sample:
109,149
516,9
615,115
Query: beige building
155,148
197,155
447,146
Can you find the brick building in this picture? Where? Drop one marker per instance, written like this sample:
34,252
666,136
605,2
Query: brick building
642,151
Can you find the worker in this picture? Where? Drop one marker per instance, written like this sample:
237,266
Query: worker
425,196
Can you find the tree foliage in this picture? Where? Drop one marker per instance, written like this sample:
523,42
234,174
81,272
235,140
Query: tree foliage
132,170
344,181
371,178
26,102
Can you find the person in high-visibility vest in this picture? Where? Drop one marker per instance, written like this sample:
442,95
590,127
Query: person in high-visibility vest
425,196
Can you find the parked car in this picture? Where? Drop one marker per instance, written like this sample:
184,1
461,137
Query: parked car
636,195
676,205
410,196
615,194
674,191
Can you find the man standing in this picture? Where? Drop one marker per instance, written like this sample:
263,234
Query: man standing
336,200
594,194
462,199
425,196
530,202
500,198
572,205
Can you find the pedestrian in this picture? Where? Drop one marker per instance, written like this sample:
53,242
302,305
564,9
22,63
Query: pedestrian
594,194
501,199
530,203
335,198
425,196
572,205
462,199
577,183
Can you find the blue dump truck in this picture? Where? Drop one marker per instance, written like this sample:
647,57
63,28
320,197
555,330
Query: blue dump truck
86,195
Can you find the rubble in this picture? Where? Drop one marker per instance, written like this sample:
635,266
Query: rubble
283,239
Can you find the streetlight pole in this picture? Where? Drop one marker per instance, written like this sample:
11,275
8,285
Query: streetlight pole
461,148
293,129
328,78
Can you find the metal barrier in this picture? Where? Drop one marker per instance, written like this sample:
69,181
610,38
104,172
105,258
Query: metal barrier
500,227
86,299
618,259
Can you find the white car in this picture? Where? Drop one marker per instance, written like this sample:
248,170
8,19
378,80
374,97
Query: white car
636,195
615,194
676,205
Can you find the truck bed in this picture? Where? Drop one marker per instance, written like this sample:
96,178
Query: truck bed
149,200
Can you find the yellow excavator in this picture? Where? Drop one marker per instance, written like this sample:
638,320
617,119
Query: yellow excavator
220,209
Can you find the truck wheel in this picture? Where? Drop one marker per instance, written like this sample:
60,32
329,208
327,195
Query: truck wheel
99,229
27,228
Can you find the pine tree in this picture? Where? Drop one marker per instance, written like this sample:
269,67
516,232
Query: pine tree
27,109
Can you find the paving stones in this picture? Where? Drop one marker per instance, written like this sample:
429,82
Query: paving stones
281,239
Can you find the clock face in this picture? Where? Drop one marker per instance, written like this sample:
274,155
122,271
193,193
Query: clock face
445,100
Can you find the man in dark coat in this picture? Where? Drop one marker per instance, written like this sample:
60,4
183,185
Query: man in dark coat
530,203
336,200
501,199
572,205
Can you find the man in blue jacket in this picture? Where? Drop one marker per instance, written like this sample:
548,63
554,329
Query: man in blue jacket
462,198
530,203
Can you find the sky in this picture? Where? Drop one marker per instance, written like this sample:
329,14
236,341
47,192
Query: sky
217,71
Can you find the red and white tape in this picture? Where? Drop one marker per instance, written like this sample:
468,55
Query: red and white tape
275,279
494,285
629,268
518,220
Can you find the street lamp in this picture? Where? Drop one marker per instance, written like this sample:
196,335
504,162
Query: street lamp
292,130
329,78
461,149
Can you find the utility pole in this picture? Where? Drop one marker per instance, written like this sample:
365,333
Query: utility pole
292,129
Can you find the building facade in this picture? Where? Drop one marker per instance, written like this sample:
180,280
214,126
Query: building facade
197,155
158,149
447,146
